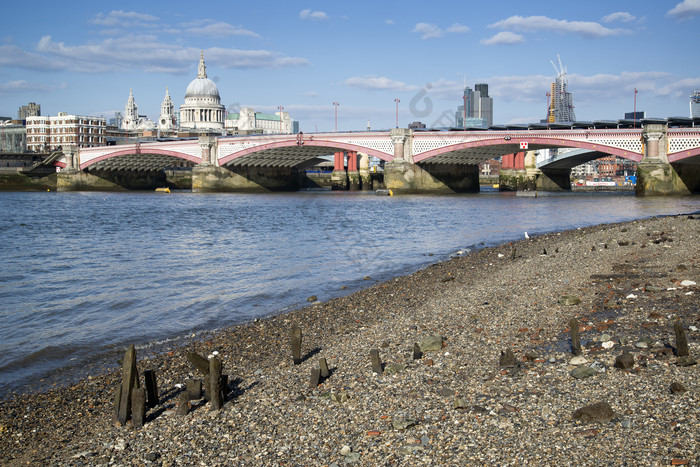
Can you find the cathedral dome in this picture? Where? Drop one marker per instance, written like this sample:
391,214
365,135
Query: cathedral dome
202,87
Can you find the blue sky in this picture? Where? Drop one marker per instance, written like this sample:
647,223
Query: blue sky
83,57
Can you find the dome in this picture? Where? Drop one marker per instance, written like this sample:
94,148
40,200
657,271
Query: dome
202,87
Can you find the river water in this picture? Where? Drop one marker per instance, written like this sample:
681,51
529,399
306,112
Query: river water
85,274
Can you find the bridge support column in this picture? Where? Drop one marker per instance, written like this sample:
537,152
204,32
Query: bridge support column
339,178
513,176
655,175
553,180
365,176
212,179
354,181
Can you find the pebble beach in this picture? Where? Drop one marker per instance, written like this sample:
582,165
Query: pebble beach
477,368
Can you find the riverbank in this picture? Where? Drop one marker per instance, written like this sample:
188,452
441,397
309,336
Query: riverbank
454,406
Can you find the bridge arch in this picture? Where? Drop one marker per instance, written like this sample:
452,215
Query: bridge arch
682,156
307,142
142,152
500,146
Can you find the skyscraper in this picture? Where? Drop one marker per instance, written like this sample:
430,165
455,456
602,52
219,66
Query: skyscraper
477,110
561,102
695,104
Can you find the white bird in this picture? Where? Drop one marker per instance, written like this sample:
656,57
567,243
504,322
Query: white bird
527,237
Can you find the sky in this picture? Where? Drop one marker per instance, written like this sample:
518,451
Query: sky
83,57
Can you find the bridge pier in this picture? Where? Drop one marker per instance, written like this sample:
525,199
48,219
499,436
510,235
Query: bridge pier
655,175
246,179
553,180
339,177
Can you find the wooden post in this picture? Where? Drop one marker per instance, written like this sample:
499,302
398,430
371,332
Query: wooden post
295,336
117,401
193,389
183,405
575,340
138,406
681,340
129,380
376,362
417,353
315,379
323,365
214,388
149,377
199,362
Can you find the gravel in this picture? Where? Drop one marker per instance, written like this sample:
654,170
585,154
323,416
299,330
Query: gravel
454,405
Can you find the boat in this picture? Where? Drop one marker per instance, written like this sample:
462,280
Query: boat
383,192
163,190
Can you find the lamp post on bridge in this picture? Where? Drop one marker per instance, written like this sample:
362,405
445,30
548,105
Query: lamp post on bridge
336,104
397,100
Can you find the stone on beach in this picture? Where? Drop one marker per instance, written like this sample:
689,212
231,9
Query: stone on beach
598,412
431,343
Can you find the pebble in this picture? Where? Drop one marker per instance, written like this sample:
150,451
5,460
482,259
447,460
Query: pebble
578,360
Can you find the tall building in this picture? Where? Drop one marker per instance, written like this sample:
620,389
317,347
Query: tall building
202,108
561,102
30,110
166,122
477,110
47,133
695,104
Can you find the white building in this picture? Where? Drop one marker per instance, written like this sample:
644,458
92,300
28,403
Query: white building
132,121
250,121
202,108
47,133
166,122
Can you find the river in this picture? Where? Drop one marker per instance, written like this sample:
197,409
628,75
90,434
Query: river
85,274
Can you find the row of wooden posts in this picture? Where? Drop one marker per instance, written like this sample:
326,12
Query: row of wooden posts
132,401
681,338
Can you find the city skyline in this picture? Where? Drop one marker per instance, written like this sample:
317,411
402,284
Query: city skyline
85,59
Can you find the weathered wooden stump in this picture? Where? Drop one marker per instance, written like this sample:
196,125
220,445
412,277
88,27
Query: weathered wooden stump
193,389
215,386
323,365
376,361
149,377
129,382
417,353
117,401
315,379
295,337
681,340
183,405
138,407
199,362
575,339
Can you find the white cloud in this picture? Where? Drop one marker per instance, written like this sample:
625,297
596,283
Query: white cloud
504,38
122,19
149,54
622,16
316,15
539,23
214,28
432,31
389,21
11,55
457,28
685,10
428,30
12,87
378,83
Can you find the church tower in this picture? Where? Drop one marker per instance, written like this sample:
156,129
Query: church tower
166,122
131,113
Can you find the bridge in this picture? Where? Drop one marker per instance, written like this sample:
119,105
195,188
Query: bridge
414,161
